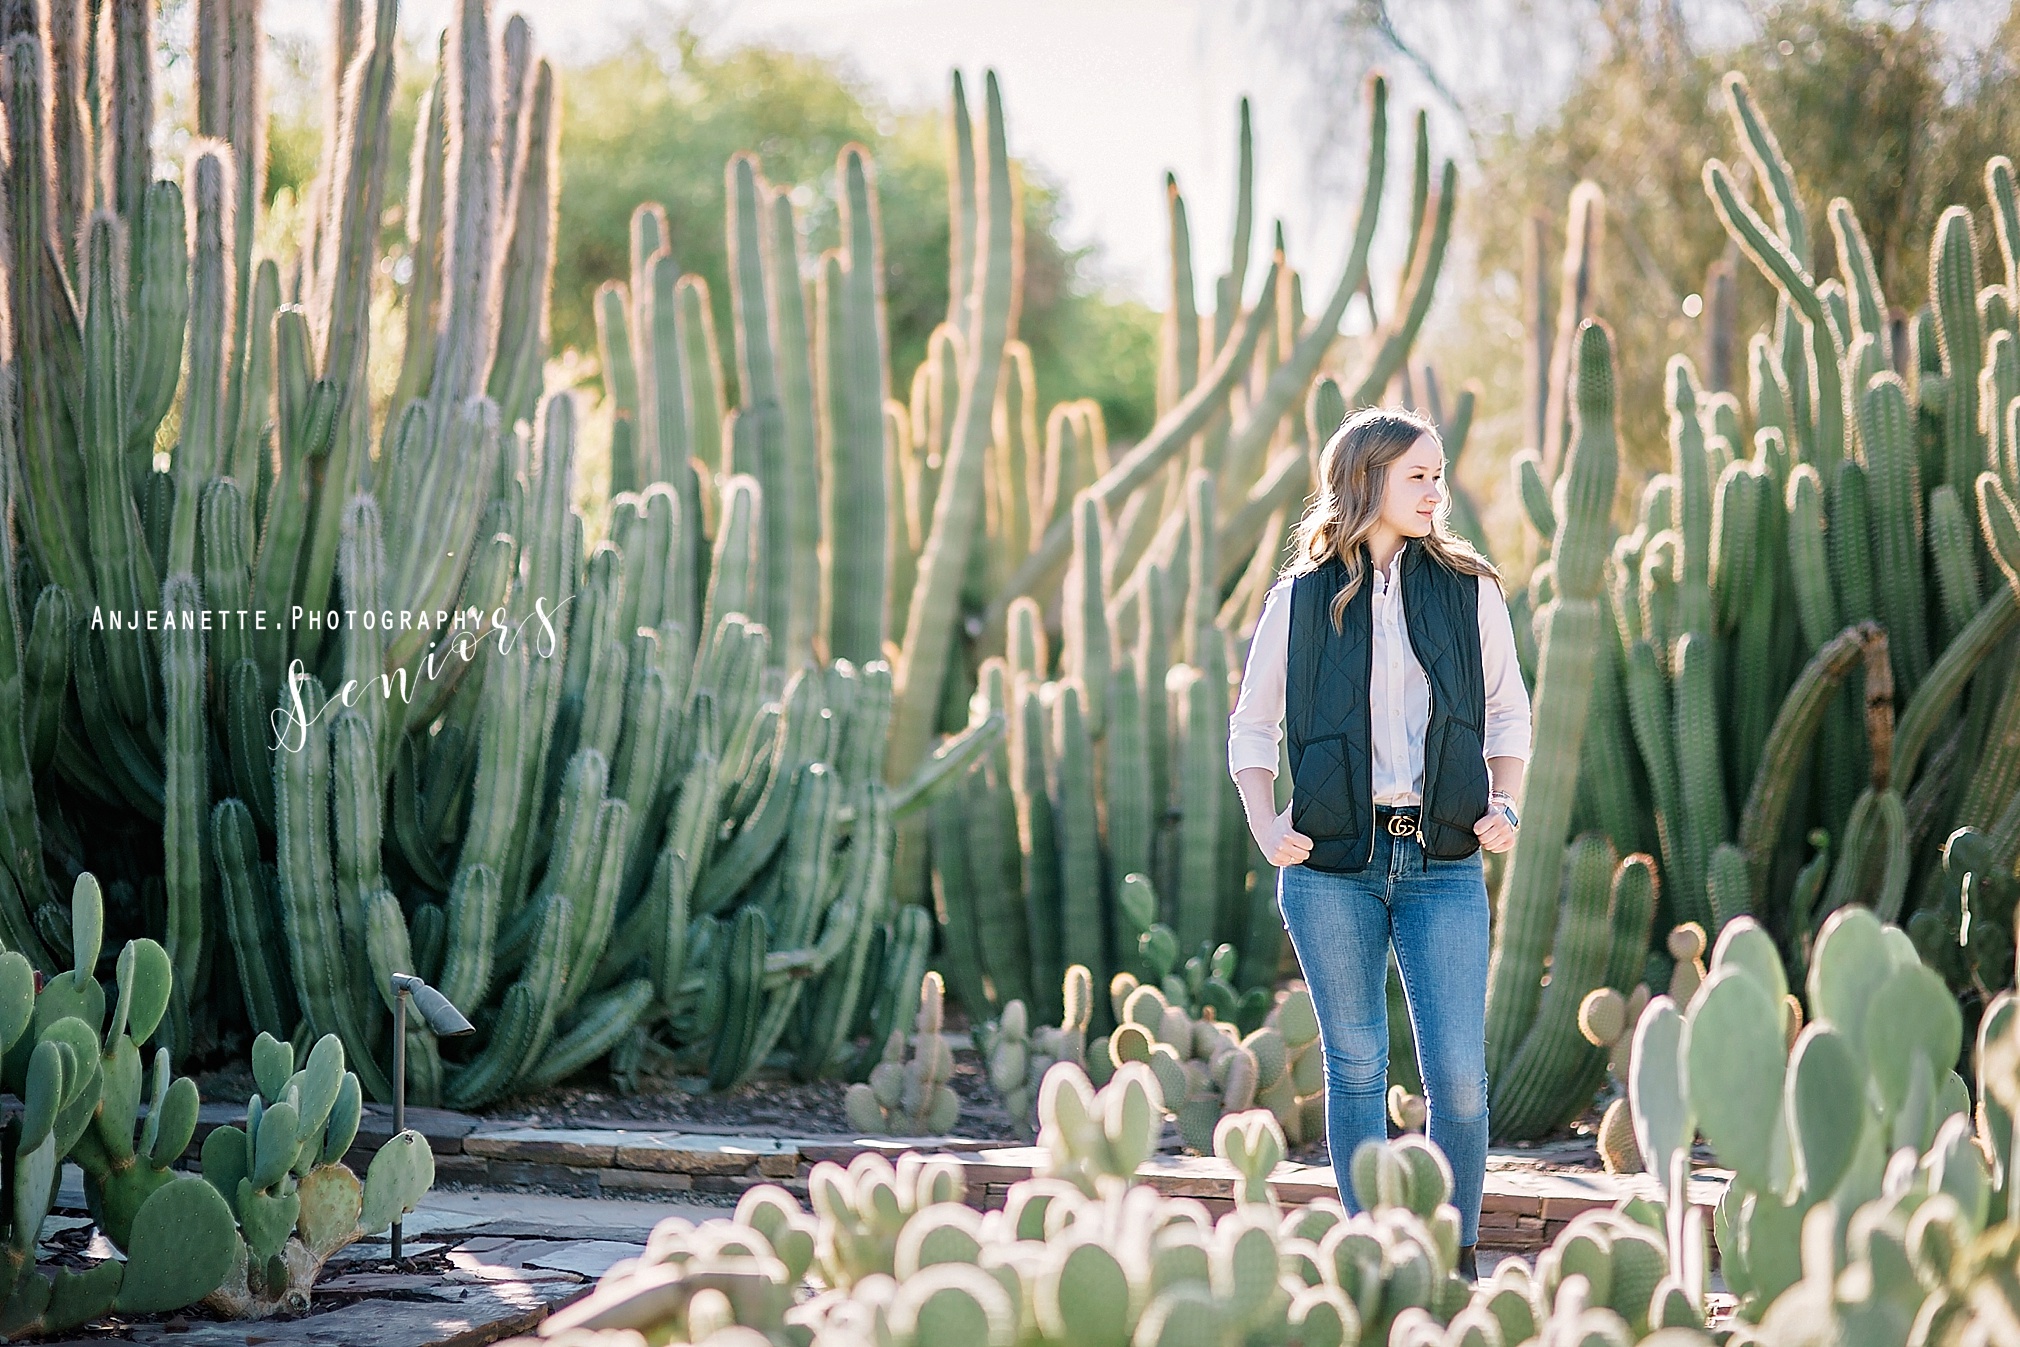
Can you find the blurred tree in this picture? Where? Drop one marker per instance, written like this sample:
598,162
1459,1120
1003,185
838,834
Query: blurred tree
294,102
659,118
1873,103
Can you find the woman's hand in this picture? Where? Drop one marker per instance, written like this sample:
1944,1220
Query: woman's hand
1281,844
1494,830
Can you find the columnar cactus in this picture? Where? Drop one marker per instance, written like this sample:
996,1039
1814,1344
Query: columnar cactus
576,772
1538,1065
1772,613
719,889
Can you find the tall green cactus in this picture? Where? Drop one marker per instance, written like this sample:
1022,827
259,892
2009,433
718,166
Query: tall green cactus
187,779
1602,937
930,612
855,380
1571,623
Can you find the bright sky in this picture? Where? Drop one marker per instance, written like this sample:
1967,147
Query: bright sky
1105,94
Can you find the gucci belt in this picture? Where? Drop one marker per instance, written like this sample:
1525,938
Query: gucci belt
1398,822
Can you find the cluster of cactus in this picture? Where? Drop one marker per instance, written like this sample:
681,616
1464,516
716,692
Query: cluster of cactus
1083,1255
643,819
650,799
667,800
1203,1068
1865,1206
1204,982
910,1097
1111,598
283,1174
79,1078
613,803
1794,645
75,1063
1866,1198
1206,1067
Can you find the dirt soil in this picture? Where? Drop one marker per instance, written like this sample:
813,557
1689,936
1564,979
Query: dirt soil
777,1105
785,1107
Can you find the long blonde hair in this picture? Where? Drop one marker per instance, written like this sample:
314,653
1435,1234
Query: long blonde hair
1353,475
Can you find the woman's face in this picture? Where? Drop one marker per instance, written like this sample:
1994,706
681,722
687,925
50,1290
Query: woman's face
1415,488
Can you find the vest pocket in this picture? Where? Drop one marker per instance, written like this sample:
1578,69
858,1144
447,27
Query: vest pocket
1322,790
1462,779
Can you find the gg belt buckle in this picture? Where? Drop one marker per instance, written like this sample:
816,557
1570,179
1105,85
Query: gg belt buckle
1402,825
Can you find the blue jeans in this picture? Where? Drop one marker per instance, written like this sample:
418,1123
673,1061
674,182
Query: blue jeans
1435,912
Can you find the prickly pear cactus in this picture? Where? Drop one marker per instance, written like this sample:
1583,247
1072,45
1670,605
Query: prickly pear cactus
1686,945
1204,984
1084,1254
282,1172
1290,1068
1607,1020
1202,1068
1408,1110
910,1097
1018,1057
1808,1116
79,1081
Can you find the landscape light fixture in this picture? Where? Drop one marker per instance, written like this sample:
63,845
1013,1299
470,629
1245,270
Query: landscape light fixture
443,1020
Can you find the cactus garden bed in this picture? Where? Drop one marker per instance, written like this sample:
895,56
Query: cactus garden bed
671,1145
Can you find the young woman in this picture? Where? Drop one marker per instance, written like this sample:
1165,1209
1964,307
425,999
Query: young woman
1386,657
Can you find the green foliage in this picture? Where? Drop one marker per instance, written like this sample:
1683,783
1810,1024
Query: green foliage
282,1174
1768,662
1207,1069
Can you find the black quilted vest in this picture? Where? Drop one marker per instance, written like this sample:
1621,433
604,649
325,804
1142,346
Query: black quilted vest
1327,718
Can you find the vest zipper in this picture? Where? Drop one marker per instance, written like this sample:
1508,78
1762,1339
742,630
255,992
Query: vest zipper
1423,803
1431,687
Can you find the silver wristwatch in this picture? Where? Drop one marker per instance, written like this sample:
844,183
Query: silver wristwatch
1507,804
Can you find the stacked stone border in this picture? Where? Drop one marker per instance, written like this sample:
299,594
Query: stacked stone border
1525,1203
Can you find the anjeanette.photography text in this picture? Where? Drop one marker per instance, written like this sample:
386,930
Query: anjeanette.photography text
461,632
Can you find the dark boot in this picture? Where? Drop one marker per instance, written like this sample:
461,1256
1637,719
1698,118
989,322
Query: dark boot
1467,1269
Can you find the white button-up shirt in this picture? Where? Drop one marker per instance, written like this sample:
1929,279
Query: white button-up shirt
1399,694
